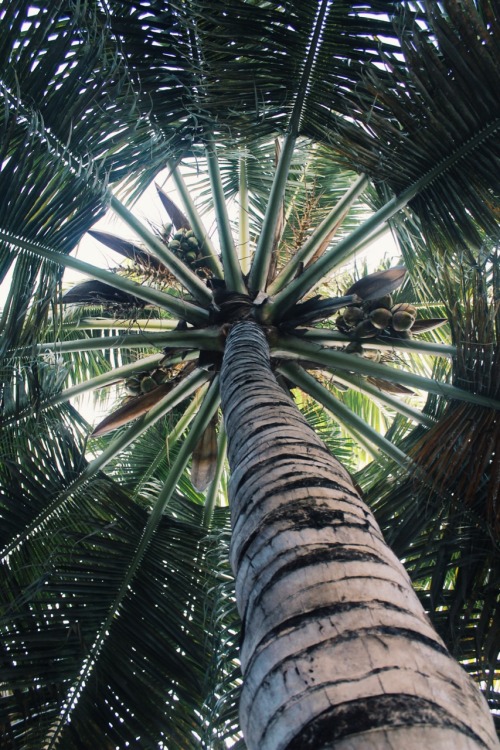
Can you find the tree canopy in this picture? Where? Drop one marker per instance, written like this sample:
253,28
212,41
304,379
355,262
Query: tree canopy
303,131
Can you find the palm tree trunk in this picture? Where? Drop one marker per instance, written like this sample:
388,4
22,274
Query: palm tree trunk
337,650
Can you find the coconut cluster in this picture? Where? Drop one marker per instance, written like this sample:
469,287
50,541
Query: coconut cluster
377,317
186,246
145,381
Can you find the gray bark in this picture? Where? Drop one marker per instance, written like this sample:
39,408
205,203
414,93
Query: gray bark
337,650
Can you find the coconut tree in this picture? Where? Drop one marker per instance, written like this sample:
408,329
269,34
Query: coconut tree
302,133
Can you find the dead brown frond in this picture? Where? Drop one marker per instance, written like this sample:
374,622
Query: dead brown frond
204,464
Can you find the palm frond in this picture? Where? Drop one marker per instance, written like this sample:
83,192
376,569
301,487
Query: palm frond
153,644
429,101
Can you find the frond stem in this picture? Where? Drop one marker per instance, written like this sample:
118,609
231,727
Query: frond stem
208,338
138,324
329,338
262,257
352,422
363,386
211,258
184,389
230,262
324,265
306,252
293,348
100,381
181,271
213,490
184,310
207,410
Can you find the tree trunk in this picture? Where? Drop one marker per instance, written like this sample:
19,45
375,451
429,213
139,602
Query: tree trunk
337,651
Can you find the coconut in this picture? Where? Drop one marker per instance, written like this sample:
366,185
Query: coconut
402,320
354,348
365,330
133,386
404,307
148,384
381,317
352,315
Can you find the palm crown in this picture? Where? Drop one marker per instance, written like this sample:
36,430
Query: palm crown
322,124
